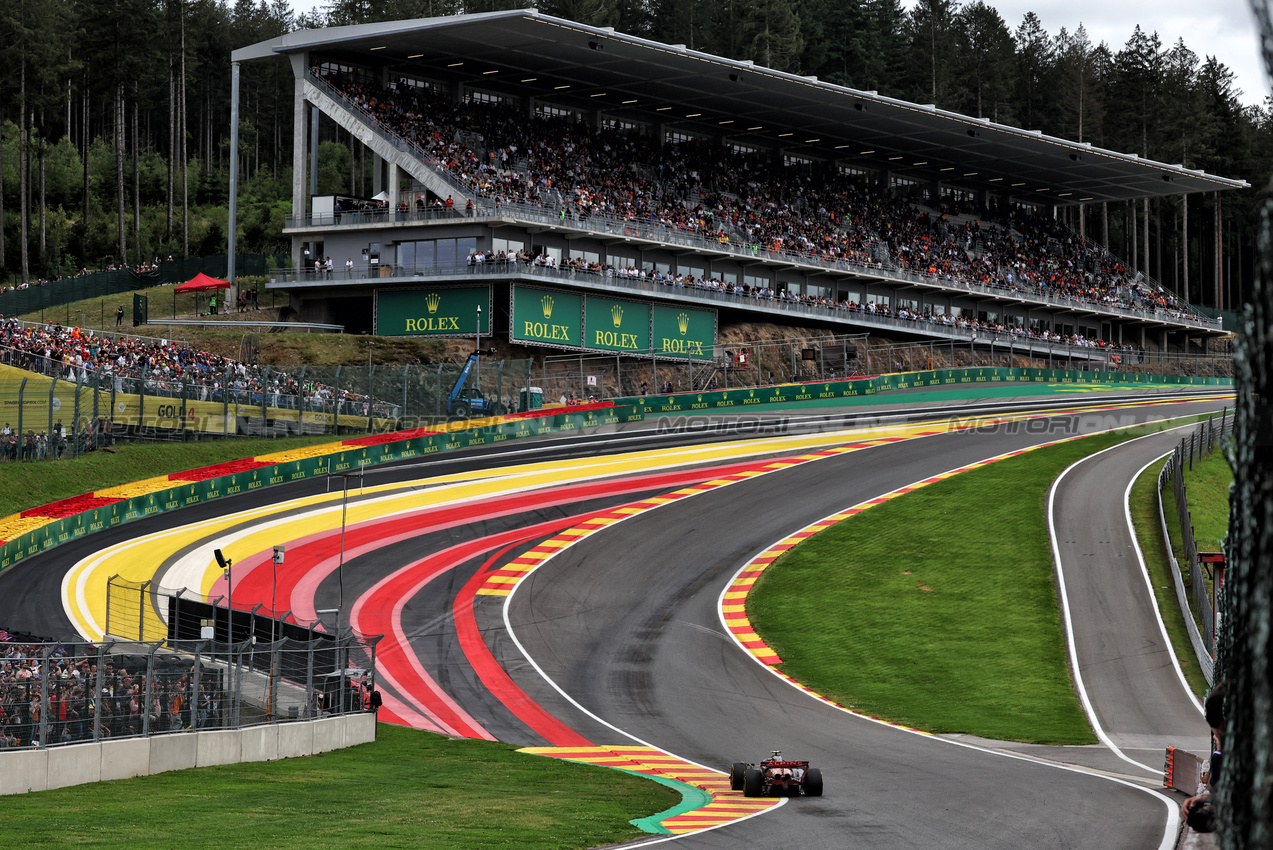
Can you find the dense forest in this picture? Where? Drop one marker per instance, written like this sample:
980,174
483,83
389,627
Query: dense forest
114,114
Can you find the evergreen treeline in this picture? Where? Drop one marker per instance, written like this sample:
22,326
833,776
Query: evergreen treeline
115,113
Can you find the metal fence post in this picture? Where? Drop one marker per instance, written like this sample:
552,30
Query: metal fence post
141,610
402,410
75,421
150,691
45,679
98,687
21,392
196,675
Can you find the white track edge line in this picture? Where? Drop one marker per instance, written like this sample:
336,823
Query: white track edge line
1149,584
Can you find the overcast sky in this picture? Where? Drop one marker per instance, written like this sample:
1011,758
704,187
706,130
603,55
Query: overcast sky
1221,28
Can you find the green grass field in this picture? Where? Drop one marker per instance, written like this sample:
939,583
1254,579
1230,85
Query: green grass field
26,485
409,789
922,612
1208,487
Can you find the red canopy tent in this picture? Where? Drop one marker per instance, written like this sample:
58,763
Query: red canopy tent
202,282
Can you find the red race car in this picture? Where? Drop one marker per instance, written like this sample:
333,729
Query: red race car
775,776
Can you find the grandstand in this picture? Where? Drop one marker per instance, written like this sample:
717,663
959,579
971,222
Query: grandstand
571,187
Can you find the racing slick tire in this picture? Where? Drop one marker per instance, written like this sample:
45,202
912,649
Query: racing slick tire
736,774
753,782
813,782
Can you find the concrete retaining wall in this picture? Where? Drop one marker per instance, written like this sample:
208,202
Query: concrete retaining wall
22,771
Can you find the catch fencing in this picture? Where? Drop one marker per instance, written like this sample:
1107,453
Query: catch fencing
56,410
45,296
1196,590
56,693
826,358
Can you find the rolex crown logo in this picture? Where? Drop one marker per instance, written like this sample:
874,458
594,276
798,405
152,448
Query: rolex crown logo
683,322
616,314
547,303
432,301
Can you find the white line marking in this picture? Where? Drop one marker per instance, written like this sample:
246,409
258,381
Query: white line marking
1149,584
1071,645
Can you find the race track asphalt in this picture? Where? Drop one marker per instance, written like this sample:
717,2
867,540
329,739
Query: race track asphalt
626,622
1128,672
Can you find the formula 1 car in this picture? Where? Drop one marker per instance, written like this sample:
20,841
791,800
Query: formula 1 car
774,776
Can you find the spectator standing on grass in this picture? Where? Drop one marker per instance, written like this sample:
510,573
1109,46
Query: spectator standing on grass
119,316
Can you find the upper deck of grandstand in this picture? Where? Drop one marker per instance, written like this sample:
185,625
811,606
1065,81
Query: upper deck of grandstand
579,132
527,56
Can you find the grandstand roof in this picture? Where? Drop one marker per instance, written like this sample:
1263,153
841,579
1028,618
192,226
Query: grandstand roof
525,53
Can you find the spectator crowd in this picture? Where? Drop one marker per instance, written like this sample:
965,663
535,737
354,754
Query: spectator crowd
158,368
120,696
814,213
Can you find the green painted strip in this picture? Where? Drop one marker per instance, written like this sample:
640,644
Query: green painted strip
692,797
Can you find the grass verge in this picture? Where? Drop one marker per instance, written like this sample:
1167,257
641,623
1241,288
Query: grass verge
1144,509
408,789
27,485
1208,487
945,619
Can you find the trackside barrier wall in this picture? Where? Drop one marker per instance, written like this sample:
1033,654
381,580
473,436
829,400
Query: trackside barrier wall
488,432
788,393
22,771
327,460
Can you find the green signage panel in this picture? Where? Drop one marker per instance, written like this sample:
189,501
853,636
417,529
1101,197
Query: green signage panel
684,332
612,324
547,316
440,311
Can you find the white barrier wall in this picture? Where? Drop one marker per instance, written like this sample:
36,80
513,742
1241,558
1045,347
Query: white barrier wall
22,771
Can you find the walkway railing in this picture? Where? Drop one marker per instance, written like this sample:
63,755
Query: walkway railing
769,301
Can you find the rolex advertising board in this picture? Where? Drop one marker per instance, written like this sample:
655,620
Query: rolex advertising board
438,311
546,316
611,324
683,332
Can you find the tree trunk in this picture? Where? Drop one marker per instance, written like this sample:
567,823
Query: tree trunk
3,117
84,146
24,174
185,169
120,139
172,142
44,223
136,185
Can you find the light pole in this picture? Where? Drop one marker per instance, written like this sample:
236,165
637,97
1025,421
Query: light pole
278,559
226,564
477,351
